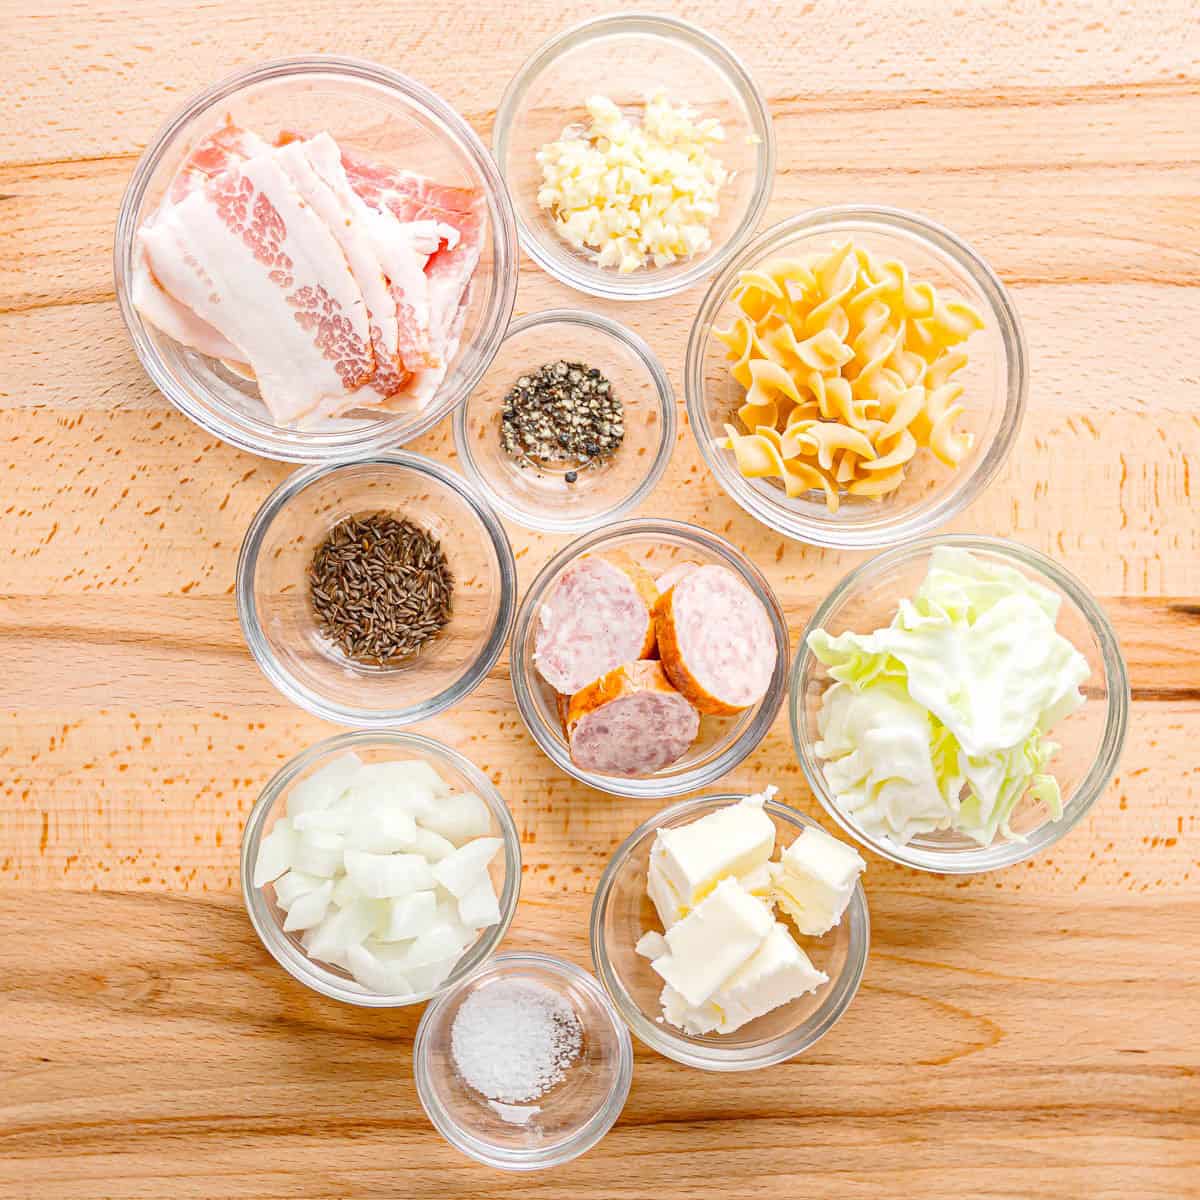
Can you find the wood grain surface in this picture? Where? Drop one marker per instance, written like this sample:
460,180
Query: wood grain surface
1029,1034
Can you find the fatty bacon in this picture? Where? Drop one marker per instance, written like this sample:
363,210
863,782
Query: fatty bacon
335,283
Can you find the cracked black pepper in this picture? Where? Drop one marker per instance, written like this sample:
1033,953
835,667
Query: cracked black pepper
380,586
564,414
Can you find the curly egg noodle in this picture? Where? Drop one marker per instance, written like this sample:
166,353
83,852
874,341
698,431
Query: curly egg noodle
849,368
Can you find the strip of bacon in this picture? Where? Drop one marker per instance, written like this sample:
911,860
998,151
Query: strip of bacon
247,255
411,198
314,167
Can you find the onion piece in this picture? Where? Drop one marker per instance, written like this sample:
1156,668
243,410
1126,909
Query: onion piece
318,853
382,876
276,853
460,818
309,909
479,908
463,870
291,885
408,917
325,787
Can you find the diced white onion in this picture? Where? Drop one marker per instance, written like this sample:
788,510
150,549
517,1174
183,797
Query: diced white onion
459,872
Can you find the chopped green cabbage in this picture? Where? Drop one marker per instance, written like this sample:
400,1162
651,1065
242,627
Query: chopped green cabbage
940,720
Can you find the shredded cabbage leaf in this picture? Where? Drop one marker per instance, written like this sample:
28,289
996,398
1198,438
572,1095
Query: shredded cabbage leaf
940,719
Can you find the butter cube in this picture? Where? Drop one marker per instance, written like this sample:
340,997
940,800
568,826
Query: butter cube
775,974
815,879
713,941
695,1021
667,902
692,859
760,881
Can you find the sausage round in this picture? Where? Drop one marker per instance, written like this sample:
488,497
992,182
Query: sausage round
596,617
672,575
630,722
716,641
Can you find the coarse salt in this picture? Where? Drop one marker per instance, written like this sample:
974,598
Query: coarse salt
514,1039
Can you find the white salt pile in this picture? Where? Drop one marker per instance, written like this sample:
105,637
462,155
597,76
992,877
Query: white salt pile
514,1039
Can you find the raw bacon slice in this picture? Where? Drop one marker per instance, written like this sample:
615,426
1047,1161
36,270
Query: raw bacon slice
213,154
168,316
321,183
247,255
409,198
216,152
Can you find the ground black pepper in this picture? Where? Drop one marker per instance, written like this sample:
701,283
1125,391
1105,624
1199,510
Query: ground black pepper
564,415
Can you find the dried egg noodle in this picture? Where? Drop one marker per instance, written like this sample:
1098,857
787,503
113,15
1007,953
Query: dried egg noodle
849,368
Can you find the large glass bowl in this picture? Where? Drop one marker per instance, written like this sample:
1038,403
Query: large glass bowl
542,498
624,57
555,1128
1091,738
622,912
281,626
995,381
723,741
378,113
268,918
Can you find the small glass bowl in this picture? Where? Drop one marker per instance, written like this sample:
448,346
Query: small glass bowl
379,113
622,912
267,917
625,57
995,379
1091,738
541,498
282,630
723,741
573,1116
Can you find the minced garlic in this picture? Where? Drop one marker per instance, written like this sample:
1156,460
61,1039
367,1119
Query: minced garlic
635,193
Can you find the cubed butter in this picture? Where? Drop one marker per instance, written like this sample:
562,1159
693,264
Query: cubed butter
815,879
774,975
713,941
690,860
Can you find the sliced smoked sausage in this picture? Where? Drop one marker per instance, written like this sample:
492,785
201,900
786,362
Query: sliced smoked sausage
630,722
715,641
596,617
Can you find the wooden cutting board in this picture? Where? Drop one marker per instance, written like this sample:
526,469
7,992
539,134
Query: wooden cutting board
1034,1033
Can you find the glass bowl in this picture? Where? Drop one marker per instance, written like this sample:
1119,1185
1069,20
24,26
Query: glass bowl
723,741
379,113
1091,738
281,626
570,1118
624,57
995,380
541,498
267,917
622,912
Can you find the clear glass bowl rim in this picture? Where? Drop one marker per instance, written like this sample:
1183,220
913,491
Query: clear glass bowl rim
814,530
666,407
643,286
751,736
260,647
291,445
1117,700
294,961
584,1138
679,1047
